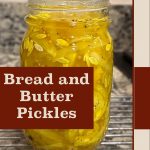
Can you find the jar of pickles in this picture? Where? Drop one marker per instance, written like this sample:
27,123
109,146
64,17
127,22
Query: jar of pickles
71,33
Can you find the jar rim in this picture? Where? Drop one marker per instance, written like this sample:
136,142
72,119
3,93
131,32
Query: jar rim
68,5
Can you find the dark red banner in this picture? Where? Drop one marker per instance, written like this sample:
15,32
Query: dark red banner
142,98
46,98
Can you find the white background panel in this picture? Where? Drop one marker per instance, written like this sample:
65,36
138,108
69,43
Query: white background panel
141,139
141,34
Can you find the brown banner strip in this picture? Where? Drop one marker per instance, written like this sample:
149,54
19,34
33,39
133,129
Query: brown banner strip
142,98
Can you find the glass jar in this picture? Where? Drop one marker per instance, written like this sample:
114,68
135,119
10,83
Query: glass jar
71,33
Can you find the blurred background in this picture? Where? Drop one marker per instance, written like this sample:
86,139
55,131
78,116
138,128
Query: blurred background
12,28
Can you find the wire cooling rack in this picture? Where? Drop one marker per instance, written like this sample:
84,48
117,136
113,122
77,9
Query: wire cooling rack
118,137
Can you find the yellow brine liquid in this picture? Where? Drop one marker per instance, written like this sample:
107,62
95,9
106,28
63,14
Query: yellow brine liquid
71,39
